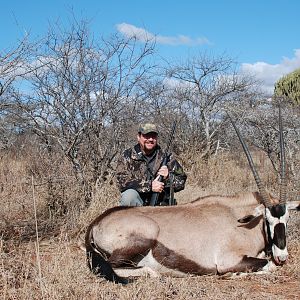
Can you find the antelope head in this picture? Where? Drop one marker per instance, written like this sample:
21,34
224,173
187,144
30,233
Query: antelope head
276,213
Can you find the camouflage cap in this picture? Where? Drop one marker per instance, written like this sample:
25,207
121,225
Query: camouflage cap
147,127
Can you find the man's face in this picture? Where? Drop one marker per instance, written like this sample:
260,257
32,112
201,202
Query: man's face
148,142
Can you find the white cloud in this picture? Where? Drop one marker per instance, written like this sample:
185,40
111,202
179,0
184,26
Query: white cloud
144,35
269,74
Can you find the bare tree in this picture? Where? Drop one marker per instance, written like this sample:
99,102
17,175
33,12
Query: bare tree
84,94
204,84
13,64
258,122
13,69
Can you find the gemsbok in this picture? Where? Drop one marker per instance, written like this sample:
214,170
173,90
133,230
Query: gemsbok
210,235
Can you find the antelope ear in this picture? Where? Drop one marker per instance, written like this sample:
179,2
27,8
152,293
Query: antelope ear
246,219
257,212
250,221
293,205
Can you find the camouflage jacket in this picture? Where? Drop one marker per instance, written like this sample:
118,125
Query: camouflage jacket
136,171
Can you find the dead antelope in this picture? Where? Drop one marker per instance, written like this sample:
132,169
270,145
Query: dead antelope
211,235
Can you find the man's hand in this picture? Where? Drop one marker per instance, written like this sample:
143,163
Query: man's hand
163,171
157,186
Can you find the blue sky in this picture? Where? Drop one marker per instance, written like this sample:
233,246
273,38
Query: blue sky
262,36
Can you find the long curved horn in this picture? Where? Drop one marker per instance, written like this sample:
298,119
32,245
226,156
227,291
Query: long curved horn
283,182
265,196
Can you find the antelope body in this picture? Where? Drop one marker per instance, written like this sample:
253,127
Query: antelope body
211,235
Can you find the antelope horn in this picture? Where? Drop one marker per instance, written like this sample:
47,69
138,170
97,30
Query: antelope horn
283,182
266,201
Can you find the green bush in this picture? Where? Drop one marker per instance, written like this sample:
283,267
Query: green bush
289,86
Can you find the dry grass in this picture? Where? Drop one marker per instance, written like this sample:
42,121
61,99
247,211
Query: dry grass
56,269
64,275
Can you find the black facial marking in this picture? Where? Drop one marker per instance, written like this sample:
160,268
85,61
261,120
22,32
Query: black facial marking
278,210
279,236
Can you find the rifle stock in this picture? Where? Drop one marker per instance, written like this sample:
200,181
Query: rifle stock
154,198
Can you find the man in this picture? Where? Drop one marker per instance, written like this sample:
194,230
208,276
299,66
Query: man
139,168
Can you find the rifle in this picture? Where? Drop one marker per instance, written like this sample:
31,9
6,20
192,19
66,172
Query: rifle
165,160
171,198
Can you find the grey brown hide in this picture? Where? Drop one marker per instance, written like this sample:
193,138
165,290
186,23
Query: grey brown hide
211,235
